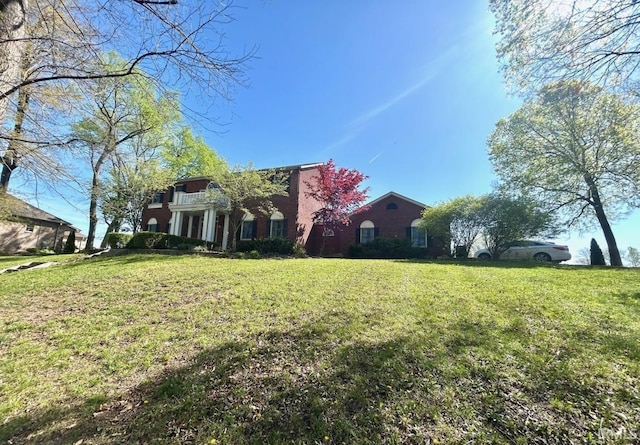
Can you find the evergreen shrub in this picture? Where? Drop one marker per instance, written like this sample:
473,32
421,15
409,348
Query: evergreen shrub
117,240
280,246
70,245
597,257
382,247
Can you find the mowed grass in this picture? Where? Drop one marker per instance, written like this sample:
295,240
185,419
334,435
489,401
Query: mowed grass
16,260
183,349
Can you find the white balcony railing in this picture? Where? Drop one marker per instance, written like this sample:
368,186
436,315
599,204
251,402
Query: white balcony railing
190,198
211,200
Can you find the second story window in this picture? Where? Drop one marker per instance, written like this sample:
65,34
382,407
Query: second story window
158,198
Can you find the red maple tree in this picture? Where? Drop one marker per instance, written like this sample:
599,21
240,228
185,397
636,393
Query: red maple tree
337,189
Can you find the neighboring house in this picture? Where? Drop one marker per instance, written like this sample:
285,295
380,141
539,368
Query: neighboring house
29,227
182,211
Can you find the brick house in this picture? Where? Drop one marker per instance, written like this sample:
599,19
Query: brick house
390,216
181,211
29,227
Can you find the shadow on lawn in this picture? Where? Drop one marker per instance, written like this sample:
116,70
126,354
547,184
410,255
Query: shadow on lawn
305,386
126,258
499,264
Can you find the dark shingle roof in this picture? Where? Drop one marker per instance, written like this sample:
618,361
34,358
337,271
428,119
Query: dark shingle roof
22,209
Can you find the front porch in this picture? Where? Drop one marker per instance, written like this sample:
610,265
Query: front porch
193,217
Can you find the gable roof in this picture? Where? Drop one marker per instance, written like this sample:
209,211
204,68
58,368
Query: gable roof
399,196
23,209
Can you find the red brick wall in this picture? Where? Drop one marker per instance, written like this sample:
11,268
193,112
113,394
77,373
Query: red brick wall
388,223
296,208
306,208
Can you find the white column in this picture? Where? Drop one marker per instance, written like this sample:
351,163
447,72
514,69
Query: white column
177,223
190,226
225,233
211,228
205,226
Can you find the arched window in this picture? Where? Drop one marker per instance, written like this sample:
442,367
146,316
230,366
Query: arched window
392,206
152,225
367,231
418,234
277,227
247,229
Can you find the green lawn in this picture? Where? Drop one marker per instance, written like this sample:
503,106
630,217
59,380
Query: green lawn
184,349
16,260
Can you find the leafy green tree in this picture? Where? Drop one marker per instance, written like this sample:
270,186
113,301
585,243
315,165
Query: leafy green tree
188,156
243,189
127,189
596,255
542,41
123,117
506,219
459,220
575,147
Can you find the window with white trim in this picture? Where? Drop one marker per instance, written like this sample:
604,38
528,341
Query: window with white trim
418,234
29,228
276,226
367,232
152,225
246,229
328,232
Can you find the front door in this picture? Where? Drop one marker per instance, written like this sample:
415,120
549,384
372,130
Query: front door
219,229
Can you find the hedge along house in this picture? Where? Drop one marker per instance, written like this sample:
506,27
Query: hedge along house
389,216
29,227
182,210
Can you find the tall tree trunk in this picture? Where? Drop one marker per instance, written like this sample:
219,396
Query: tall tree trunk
113,226
324,240
93,210
10,158
13,31
612,245
95,189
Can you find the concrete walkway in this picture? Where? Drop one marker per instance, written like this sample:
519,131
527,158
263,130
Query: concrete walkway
28,266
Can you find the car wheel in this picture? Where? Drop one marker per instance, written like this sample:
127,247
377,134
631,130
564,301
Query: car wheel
484,256
542,257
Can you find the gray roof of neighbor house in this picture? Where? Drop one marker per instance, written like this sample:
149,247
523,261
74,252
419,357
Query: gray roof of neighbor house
23,209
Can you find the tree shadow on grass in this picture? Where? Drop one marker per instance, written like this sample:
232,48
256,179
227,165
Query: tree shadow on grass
126,258
496,264
307,386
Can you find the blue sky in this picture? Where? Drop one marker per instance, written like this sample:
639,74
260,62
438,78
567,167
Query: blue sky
406,92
